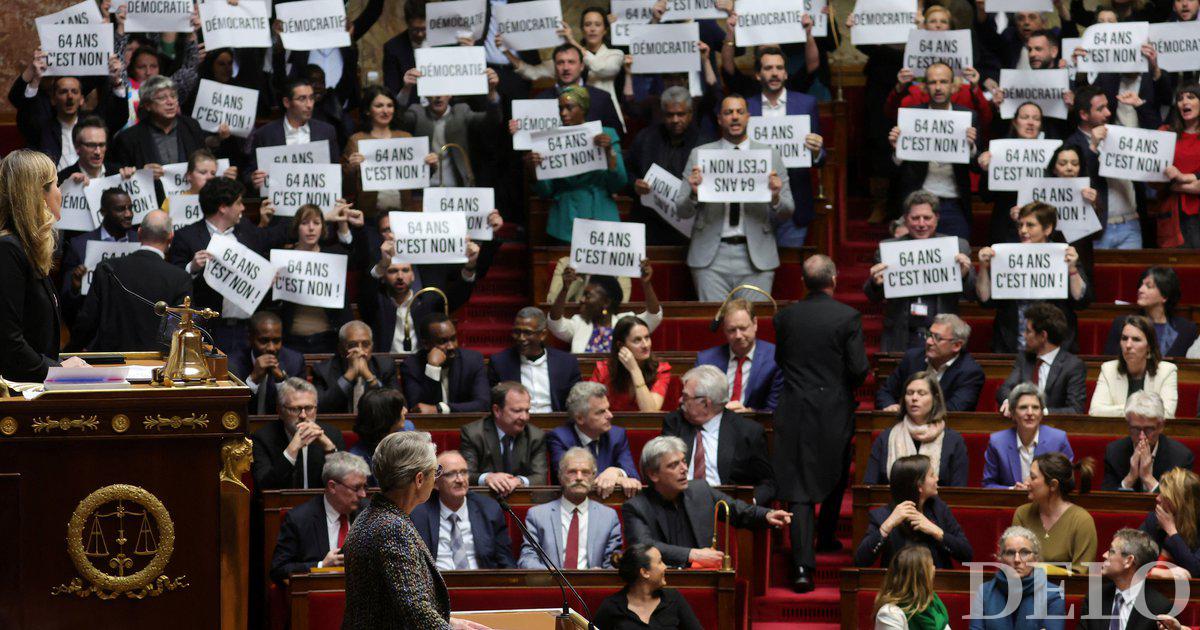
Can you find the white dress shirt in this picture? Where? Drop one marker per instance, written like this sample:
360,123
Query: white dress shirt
1026,453
731,372
445,558
939,371
330,60
710,433
295,135
303,463
1043,368
69,156
1128,599
778,110
404,321
332,525
730,231
535,376
565,507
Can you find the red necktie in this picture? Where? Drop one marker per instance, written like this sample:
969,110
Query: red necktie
698,469
736,396
343,529
571,561
1037,371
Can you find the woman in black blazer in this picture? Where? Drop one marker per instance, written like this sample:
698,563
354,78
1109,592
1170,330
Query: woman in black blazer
30,204
1157,295
921,430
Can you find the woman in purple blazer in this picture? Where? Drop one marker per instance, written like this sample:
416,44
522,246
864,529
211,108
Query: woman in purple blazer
1002,465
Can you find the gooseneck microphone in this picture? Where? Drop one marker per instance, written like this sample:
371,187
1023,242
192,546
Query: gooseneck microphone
160,309
563,582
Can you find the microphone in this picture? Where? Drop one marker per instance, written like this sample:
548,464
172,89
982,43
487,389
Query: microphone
563,582
160,309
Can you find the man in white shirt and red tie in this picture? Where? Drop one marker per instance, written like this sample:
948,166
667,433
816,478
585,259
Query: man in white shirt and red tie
312,534
723,447
462,529
575,531
748,362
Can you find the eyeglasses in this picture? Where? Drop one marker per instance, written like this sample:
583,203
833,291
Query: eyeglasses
305,409
163,98
932,335
686,397
1024,554
359,489
452,474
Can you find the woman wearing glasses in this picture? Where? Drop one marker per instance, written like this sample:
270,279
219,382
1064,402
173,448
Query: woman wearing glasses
1020,551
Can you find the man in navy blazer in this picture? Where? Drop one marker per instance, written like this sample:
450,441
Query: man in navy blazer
551,526
454,519
945,352
568,68
548,373
1060,375
312,534
265,363
762,380
422,372
297,126
589,425
1002,465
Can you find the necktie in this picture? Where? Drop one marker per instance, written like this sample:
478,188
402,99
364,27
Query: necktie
343,529
594,447
262,395
458,552
1115,622
699,470
1037,371
507,453
359,389
736,396
571,559
735,210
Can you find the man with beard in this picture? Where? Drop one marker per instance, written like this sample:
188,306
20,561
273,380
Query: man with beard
548,373
352,371
576,532
1043,50
116,226
463,530
312,533
503,450
441,377
568,71
265,364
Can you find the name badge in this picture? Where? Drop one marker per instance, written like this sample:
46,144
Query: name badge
918,309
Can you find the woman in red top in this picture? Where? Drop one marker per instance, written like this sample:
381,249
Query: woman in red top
1179,211
636,380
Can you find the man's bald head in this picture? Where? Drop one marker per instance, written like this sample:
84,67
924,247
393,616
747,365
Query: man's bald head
155,228
820,274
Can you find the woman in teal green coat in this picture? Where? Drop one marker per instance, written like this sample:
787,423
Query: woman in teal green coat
587,195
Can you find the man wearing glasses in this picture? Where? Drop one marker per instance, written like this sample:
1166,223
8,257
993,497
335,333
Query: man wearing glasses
945,354
312,534
163,134
1136,462
462,529
291,453
1126,601
548,373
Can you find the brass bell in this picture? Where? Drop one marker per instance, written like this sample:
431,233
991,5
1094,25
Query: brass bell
186,363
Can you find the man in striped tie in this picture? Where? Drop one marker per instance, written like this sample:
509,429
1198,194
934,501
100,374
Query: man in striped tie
463,530
312,534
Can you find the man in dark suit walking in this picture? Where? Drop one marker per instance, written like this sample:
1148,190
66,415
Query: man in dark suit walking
548,373
352,371
945,353
463,529
723,447
265,364
297,126
312,534
1125,597
748,362
291,453
503,451
819,347
589,425
1060,375
1137,461
112,319
443,378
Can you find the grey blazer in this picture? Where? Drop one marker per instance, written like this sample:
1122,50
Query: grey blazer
757,218
481,448
545,524
419,122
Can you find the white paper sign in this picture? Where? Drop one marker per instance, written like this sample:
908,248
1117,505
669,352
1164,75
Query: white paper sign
1076,217
96,252
461,70
77,213
244,25
158,16
1018,6
883,21
395,164
1029,271
185,210
236,272
529,25
295,185
445,22
309,278
475,203
1069,44
1178,45
1139,155
920,267
140,189
85,12
786,134
665,48
730,175
932,135
816,9
629,12
76,49
308,153
608,248
569,151
439,237
312,24
1114,47
174,178
1015,161
1044,88
663,188
218,103
924,48
769,22
678,10
534,114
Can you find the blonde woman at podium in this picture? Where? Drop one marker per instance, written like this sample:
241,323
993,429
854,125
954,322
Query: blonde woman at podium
30,204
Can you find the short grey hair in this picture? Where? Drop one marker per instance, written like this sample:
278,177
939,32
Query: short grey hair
675,95
344,331
152,85
710,383
1016,531
342,463
155,227
534,313
400,456
656,449
294,385
1022,390
579,399
1136,543
819,272
1145,404
919,198
573,453
960,329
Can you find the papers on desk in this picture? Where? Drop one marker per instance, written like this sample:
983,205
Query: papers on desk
60,378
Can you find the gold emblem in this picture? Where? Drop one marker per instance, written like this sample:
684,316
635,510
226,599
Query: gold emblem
8,425
236,456
120,539
120,423
176,422
230,420
84,423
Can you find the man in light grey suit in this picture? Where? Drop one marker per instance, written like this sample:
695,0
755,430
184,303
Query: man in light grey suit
594,528
444,123
733,243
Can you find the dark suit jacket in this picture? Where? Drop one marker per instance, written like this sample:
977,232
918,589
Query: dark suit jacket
377,309
29,318
272,135
489,528
241,363
112,319
1152,601
960,384
1004,332
1171,454
765,381
1153,93
190,239
741,451
896,311
38,124
272,471
73,255
331,398
1185,328
481,448
613,449
601,108
469,389
953,546
399,58
645,519
347,88
951,472
798,104
562,366
303,539
1065,386
462,124
135,146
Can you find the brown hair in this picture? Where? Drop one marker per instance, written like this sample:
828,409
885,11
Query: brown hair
735,305
1056,467
937,413
1154,356
618,378
1181,488
1044,213
908,582
304,213
25,177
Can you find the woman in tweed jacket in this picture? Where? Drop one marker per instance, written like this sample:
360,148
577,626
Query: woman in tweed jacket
391,578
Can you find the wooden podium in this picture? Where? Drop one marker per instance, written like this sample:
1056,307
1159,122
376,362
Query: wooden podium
125,507
536,619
